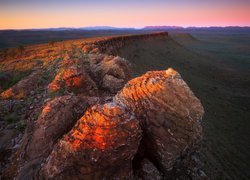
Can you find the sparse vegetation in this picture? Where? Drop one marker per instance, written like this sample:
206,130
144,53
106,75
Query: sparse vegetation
52,42
21,126
13,79
11,118
21,48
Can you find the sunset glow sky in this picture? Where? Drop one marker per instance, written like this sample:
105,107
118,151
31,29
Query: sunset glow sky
23,14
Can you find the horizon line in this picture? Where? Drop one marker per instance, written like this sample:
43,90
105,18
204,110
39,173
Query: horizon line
136,28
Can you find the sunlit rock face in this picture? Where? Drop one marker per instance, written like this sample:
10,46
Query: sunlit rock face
88,48
100,146
24,87
73,78
57,117
91,74
169,114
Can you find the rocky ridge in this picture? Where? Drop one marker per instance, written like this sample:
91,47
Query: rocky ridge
93,122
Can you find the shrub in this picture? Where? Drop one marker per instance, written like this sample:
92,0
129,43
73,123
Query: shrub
21,48
52,42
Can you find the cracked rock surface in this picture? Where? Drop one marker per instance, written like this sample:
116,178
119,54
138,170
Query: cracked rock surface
169,114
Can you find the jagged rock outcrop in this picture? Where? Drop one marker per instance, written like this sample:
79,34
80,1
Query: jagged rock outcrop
73,79
23,87
169,113
111,45
100,146
73,76
111,72
165,109
57,118
90,74
152,122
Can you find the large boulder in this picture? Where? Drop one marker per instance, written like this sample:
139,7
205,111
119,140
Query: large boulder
112,83
111,72
57,118
100,146
73,78
169,114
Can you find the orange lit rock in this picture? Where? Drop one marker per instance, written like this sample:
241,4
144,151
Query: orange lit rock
169,112
100,146
23,87
57,118
95,51
89,48
73,78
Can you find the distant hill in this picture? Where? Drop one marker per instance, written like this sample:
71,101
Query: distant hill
105,28
162,27
170,28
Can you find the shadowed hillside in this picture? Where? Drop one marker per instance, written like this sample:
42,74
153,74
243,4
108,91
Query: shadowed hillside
224,92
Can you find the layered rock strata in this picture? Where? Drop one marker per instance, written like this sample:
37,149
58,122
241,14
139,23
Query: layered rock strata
101,145
169,114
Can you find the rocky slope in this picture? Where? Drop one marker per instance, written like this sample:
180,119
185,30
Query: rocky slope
88,120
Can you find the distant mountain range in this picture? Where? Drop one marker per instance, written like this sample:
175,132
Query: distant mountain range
190,28
89,28
162,27
146,28
105,28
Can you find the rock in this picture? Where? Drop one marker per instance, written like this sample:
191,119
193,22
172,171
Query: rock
32,93
89,47
23,87
112,83
74,78
202,174
95,51
111,45
109,68
6,146
148,171
108,72
169,113
115,66
100,146
6,137
57,118
152,123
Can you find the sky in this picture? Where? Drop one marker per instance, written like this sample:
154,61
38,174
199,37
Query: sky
26,14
